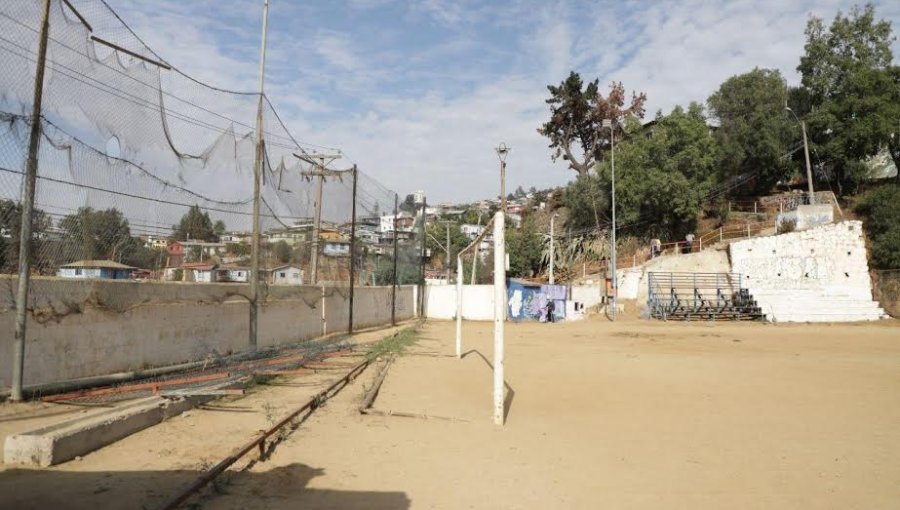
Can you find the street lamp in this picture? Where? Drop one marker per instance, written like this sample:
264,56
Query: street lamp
552,248
610,123
809,179
502,152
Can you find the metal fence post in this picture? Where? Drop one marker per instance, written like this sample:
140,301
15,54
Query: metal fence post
394,272
18,369
352,252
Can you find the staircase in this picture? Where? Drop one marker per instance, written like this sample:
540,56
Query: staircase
816,305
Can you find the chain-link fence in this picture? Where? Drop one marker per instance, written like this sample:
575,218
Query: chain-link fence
146,174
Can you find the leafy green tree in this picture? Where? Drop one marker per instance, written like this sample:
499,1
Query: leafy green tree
587,202
437,237
754,130
881,209
524,246
195,225
662,177
10,231
93,234
852,92
409,204
219,229
576,115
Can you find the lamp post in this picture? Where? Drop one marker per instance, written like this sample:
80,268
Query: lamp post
610,123
502,152
552,251
809,179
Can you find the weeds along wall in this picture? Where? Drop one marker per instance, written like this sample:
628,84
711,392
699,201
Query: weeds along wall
74,334
145,172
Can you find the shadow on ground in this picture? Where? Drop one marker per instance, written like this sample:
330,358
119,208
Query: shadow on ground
510,393
284,487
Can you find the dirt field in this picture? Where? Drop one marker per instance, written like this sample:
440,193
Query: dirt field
635,414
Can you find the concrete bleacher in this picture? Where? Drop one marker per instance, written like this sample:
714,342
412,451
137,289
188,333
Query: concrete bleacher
816,275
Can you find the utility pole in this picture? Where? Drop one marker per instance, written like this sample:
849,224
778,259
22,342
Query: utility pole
447,249
422,258
320,163
809,177
257,182
34,143
611,124
552,253
394,273
475,258
352,251
502,152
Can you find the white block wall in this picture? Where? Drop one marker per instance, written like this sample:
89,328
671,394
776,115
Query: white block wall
817,275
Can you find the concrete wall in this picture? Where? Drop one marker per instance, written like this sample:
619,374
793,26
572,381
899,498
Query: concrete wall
820,274
100,327
478,302
807,216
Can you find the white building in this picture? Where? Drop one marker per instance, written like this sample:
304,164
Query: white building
287,275
107,269
471,231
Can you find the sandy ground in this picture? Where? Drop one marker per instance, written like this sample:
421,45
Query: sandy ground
146,468
634,414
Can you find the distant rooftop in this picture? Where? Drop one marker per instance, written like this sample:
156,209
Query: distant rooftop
98,264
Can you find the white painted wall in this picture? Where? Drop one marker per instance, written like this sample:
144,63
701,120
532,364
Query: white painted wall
478,302
820,274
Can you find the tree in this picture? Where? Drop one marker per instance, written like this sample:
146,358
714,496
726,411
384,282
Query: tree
437,237
282,252
195,225
586,201
409,204
92,234
576,116
524,246
219,229
853,92
754,130
663,176
881,209
10,231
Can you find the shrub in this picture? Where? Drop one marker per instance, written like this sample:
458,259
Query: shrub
880,209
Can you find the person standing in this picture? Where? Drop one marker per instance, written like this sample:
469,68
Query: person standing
690,243
551,307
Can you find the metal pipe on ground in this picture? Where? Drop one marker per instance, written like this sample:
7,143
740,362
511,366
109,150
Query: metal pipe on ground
260,441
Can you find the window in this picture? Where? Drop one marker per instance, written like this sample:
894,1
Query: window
282,274
78,271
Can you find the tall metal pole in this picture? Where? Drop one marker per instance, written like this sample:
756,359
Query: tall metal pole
394,272
499,313
422,259
503,186
257,181
34,143
552,253
459,304
809,177
352,252
317,221
615,283
447,249
475,258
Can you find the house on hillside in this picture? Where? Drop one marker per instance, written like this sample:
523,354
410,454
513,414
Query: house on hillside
106,269
336,248
233,274
287,275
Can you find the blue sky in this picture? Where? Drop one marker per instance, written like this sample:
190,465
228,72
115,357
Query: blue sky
419,92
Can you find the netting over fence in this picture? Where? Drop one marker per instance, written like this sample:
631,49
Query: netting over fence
146,174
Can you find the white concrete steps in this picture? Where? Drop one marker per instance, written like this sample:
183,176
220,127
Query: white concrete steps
816,305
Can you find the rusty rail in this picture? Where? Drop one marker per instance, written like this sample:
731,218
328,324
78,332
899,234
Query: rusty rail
260,441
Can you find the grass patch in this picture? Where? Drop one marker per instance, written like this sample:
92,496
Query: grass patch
394,344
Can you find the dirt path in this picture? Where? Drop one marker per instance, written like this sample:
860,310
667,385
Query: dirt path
145,469
626,415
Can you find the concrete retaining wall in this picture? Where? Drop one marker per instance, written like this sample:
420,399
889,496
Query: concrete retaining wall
819,274
73,335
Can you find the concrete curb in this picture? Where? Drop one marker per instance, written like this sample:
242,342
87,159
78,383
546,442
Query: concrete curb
64,441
